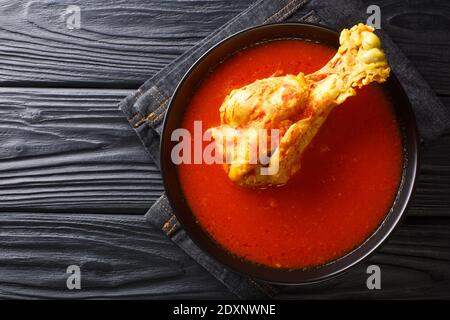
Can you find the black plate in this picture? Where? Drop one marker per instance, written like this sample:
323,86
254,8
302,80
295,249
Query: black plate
175,113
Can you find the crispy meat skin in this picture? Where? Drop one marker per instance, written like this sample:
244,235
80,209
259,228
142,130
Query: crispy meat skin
295,105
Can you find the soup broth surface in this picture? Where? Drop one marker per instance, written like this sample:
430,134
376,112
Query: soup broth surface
346,185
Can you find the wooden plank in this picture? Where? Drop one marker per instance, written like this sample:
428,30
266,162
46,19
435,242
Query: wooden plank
72,149
123,257
420,29
119,257
432,196
69,150
124,44
119,44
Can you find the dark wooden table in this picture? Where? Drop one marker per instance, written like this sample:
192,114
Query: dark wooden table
75,181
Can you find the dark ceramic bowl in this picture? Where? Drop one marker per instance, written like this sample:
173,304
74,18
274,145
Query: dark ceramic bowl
175,113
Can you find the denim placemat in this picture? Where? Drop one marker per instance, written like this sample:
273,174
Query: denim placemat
145,108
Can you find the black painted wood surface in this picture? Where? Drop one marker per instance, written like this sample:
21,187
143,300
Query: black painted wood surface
75,181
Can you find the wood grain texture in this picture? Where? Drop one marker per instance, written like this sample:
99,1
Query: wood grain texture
123,257
71,167
420,29
123,43
120,44
102,168
119,257
72,149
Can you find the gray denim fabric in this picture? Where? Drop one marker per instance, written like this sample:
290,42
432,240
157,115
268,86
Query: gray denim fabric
145,109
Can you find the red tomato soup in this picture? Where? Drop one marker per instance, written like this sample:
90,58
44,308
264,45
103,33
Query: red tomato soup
348,180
